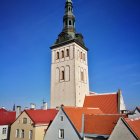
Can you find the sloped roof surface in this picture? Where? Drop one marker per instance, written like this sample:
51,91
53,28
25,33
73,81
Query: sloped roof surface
108,103
134,125
42,116
75,114
7,117
100,124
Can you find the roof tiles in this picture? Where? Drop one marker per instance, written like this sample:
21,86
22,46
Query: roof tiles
42,116
75,114
108,103
7,117
100,124
134,125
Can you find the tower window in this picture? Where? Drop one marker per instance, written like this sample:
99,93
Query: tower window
62,54
57,55
70,22
84,57
69,9
62,75
82,76
61,133
67,52
81,55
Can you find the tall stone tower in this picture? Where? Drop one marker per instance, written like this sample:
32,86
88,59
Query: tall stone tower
69,67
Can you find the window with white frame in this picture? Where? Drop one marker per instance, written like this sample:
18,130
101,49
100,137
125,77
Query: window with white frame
61,133
4,130
30,134
17,133
22,134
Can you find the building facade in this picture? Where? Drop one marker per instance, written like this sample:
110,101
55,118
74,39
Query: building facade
69,67
32,124
6,119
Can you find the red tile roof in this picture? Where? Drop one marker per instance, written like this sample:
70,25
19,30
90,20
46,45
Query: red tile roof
7,117
134,125
75,114
108,103
42,116
100,124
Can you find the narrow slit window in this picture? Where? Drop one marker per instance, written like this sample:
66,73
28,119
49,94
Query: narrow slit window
62,54
67,53
70,22
82,76
57,55
62,75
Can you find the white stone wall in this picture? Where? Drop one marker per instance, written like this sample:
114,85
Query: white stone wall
3,136
135,115
121,132
69,91
57,124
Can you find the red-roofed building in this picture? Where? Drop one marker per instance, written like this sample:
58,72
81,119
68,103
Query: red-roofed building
109,103
6,119
126,129
81,123
100,125
32,124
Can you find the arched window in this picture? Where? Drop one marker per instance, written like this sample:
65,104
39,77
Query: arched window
84,57
62,75
62,54
70,22
67,52
57,55
82,76
81,55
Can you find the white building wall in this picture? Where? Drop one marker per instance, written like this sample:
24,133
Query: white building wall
3,136
53,131
135,115
71,91
121,132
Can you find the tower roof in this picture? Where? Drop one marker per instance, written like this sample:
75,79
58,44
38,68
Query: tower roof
69,33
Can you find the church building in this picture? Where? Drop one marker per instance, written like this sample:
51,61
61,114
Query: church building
69,66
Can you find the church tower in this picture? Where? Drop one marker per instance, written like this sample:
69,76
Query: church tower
69,67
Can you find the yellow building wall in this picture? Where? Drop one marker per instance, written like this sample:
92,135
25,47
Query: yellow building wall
38,131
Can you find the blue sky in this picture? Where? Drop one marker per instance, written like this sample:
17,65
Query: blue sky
111,30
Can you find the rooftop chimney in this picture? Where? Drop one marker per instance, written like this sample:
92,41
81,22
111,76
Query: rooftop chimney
18,111
32,106
45,106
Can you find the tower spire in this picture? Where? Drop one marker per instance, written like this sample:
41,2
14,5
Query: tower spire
69,19
69,32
